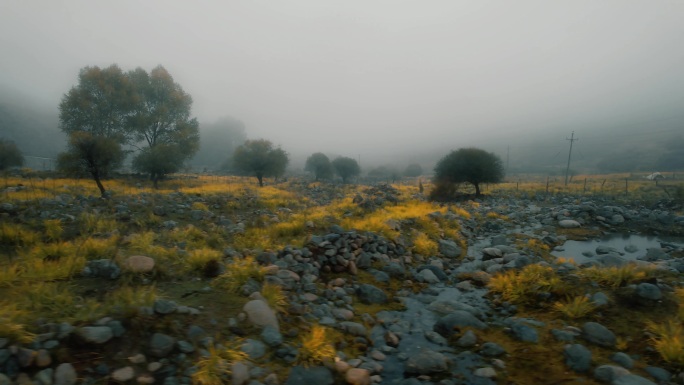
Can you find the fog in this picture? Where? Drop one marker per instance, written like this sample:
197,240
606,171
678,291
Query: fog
389,82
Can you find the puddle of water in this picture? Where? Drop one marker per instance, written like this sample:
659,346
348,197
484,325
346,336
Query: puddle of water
630,245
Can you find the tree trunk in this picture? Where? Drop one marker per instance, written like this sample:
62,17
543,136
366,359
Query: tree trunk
477,189
261,180
155,181
96,177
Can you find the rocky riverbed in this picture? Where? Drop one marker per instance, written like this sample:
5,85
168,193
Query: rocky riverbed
400,317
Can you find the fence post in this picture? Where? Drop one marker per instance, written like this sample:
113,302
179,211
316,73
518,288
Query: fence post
547,185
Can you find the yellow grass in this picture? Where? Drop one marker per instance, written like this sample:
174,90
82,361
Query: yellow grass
577,307
214,367
98,248
377,221
12,323
125,302
316,347
50,300
275,297
197,259
53,229
238,273
199,206
522,286
423,245
615,276
679,296
668,340
15,235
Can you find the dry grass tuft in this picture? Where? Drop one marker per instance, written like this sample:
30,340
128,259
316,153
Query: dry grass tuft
668,340
316,347
577,307
616,276
238,273
524,285
275,297
214,367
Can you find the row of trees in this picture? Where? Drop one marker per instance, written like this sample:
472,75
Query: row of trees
110,113
322,168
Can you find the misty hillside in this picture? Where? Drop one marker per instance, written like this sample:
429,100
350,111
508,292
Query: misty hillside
218,140
32,127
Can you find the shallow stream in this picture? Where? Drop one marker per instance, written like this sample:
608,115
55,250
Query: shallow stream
631,246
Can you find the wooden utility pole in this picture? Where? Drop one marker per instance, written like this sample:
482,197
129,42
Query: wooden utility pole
567,169
508,154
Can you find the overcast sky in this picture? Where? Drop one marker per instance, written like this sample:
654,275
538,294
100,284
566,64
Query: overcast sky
371,77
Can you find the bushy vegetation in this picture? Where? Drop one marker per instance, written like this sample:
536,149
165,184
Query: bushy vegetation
10,155
260,159
346,168
471,165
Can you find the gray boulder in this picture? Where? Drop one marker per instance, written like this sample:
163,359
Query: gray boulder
468,339
659,374
623,360
439,273
611,260
95,334
491,253
648,291
318,375
603,249
600,299
65,374
577,357
427,276
492,349
260,314
353,328
271,336
102,268
449,248
370,294
608,373
524,333
164,306
255,349
161,345
631,379
569,223
426,362
654,254
598,334
449,324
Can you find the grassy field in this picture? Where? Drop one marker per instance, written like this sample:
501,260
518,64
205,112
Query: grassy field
56,226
